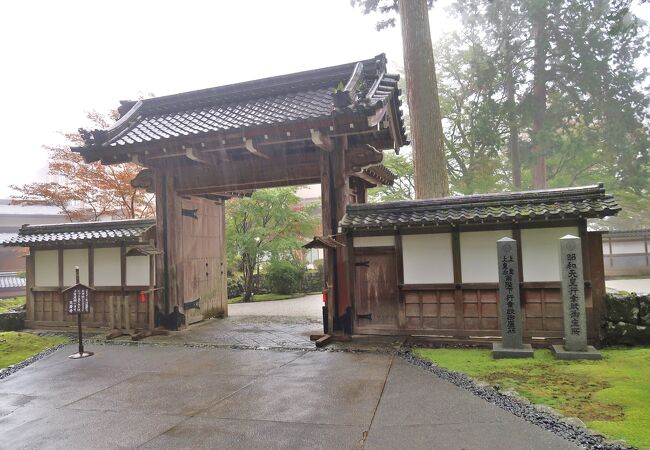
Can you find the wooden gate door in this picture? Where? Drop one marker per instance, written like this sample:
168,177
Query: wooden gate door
376,294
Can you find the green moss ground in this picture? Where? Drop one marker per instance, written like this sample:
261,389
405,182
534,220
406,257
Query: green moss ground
16,347
7,304
611,396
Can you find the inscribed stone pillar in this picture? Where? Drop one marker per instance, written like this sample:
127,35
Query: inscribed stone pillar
573,294
512,345
573,303
511,325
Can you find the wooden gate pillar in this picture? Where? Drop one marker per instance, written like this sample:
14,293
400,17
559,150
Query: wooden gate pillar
335,196
168,232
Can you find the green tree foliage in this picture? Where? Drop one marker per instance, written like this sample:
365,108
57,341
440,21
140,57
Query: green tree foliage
404,186
594,125
270,223
284,277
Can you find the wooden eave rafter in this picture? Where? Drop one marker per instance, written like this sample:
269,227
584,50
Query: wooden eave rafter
248,143
196,155
321,140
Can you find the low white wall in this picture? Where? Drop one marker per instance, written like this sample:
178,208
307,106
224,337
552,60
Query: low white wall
107,267
72,258
626,247
46,268
137,270
374,241
540,249
427,258
478,255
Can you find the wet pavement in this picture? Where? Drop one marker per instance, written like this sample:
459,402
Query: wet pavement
280,324
176,397
276,332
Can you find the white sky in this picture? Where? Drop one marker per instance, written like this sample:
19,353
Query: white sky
62,58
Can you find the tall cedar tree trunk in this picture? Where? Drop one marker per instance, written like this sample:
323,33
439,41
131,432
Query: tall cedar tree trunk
248,273
539,93
513,126
422,96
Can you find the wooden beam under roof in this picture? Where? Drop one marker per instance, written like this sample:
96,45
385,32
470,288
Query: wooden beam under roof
287,167
300,168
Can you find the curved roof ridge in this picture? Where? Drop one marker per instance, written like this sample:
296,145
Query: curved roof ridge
98,224
461,200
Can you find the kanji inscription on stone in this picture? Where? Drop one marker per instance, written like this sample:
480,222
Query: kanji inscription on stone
573,294
509,300
78,300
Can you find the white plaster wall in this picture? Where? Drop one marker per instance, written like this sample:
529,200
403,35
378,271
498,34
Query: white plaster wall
540,250
46,268
137,270
72,258
374,241
427,258
478,255
107,267
628,247
605,248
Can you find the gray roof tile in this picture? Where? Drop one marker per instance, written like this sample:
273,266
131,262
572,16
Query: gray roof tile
581,202
81,232
266,102
11,280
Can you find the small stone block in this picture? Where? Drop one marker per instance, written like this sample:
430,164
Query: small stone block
561,353
501,352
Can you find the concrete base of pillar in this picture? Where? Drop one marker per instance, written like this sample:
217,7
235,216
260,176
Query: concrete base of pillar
500,352
561,353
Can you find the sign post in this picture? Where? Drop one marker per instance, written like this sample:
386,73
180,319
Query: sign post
78,302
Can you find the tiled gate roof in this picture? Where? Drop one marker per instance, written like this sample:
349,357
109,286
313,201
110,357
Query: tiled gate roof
581,202
82,232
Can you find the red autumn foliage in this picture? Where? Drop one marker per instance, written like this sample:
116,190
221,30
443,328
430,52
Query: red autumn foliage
87,191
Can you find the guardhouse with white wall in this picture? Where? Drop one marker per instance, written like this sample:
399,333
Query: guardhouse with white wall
429,267
116,258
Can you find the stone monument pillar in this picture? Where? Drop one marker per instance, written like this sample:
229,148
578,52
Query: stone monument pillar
573,302
511,345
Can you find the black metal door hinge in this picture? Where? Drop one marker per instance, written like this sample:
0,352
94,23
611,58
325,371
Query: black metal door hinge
362,264
364,316
189,213
194,304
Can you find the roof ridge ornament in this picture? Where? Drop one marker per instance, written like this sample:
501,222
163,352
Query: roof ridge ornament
349,94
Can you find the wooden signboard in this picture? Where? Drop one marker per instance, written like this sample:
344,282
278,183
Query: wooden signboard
78,298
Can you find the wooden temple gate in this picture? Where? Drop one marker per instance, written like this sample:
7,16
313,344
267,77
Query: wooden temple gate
200,148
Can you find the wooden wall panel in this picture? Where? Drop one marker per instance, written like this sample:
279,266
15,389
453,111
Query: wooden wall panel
49,310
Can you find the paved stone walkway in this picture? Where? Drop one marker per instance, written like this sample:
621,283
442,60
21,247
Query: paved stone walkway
249,332
175,397
307,306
